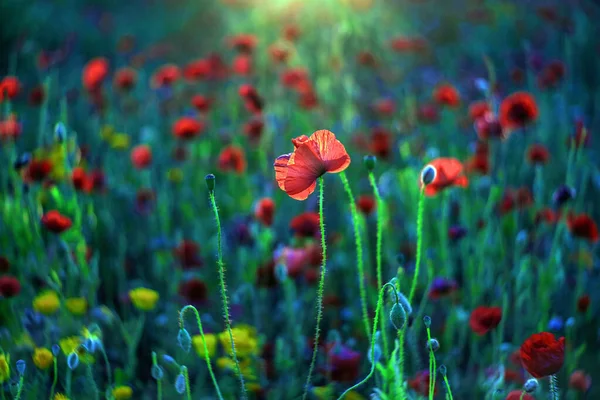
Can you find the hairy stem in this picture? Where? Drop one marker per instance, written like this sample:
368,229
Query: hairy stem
420,210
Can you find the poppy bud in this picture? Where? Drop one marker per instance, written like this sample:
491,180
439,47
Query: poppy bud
433,345
55,349
157,372
405,304
375,355
370,162
72,360
427,321
428,174
60,132
22,161
210,182
180,383
531,385
398,316
21,367
442,370
184,340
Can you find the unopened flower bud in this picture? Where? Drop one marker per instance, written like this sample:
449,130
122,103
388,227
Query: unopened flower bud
433,345
370,162
210,182
428,174
398,316
531,385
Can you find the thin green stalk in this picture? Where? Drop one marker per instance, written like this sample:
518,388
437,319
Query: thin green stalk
554,387
159,381
373,361
359,253
378,251
188,390
68,382
206,354
320,291
20,390
54,379
420,210
106,365
432,366
448,390
90,374
401,335
224,292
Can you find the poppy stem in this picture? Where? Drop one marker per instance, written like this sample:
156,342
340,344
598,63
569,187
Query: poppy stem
420,211
206,352
223,288
359,253
378,250
554,387
54,379
159,395
432,366
373,361
320,290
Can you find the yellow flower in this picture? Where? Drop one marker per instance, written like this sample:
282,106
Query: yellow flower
106,132
76,305
175,175
144,299
72,344
46,303
354,396
323,392
119,141
253,386
122,393
4,367
244,338
211,344
42,358
60,396
245,366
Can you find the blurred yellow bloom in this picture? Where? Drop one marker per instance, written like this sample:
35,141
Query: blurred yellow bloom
122,393
42,358
46,303
245,340
60,396
211,344
175,175
4,367
76,305
245,366
144,299
323,392
72,344
253,386
119,141
354,396
106,132
24,340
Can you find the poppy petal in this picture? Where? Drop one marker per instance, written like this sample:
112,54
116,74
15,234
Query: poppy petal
280,165
331,151
302,174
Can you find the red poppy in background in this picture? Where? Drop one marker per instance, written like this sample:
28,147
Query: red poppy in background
484,319
141,156
518,110
380,143
265,275
420,383
449,173
428,114
253,129
583,303
305,224
187,253
80,179
242,65
478,109
538,154
196,70
201,103
583,226
232,158
345,363
366,59
518,395
580,381
187,128
366,204
581,136
244,43
38,170
447,95
489,127
10,128
542,355
37,96
125,79
408,44
253,102
10,87
291,32
9,286
264,211
55,222
546,215
94,73
278,54
292,77
552,74
297,173
194,291
384,106
165,76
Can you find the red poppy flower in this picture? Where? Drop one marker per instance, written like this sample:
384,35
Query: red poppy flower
384,106
517,75
408,44
79,179
196,70
10,128
366,59
292,77
546,215
4,264
516,395
194,291
265,275
232,158
253,102
580,381
484,319
165,76
512,376
308,100
94,73
478,109
489,127
449,172
141,156
291,32
37,96
297,173
552,74
10,87
420,383
201,103
581,137
264,210
97,180
366,204
9,286
479,163
428,114
253,130
344,362
55,222
244,43
305,224
187,128
380,143
125,79
242,65
538,154
542,355
583,226
38,170
187,253
583,303
447,95
518,110
278,54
